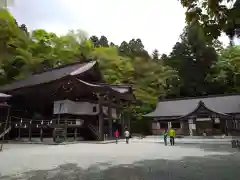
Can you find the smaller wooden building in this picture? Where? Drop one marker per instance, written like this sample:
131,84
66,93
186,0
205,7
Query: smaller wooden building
210,115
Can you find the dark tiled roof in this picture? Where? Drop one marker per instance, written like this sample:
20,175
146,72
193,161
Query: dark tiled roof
49,75
220,104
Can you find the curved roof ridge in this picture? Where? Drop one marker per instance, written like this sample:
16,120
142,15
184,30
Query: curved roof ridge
202,104
49,76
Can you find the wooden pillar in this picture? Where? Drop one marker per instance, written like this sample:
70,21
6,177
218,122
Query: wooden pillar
129,117
19,130
118,120
122,117
100,118
41,131
75,134
30,131
65,128
41,134
226,127
196,131
110,125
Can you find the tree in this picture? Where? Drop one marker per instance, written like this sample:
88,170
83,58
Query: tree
14,57
215,16
103,42
192,57
134,48
155,55
115,69
95,41
124,49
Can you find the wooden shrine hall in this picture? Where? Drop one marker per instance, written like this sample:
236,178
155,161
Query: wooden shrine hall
68,101
197,116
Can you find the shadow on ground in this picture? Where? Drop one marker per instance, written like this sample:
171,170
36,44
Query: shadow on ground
190,168
212,147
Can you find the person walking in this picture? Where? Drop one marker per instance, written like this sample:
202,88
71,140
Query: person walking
165,135
172,134
127,135
116,135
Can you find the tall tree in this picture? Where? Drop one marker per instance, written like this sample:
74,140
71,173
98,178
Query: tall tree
192,58
103,41
155,55
95,41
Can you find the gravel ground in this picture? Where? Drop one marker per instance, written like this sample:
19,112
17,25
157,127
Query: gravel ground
134,161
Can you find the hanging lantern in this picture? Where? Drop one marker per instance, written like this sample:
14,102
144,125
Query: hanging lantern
16,125
31,122
42,122
25,126
21,121
51,122
37,125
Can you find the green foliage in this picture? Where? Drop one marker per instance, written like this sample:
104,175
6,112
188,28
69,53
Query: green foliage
192,57
225,73
215,16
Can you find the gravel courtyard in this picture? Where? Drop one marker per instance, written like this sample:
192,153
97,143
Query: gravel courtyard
135,161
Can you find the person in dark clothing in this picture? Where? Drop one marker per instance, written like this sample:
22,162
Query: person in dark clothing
165,135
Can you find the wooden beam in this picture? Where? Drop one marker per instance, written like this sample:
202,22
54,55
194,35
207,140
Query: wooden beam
100,118
110,130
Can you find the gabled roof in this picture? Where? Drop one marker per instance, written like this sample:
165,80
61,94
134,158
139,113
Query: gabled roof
220,104
124,91
49,75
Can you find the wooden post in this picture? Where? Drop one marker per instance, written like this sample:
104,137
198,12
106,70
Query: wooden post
100,117
41,134
75,134
118,120
110,130
129,117
19,129
65,129
30,130
122,120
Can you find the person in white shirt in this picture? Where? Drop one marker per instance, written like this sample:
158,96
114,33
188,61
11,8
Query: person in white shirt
127,135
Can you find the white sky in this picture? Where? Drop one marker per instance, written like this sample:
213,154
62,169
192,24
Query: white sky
158,23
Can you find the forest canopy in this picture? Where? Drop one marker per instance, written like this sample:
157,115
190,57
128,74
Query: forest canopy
196,65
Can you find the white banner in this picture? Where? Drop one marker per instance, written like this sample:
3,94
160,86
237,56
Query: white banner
203,119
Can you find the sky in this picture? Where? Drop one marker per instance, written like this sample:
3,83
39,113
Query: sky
158,23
